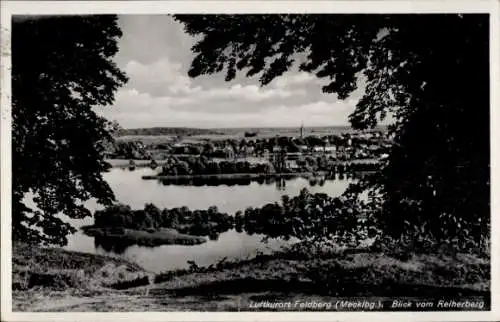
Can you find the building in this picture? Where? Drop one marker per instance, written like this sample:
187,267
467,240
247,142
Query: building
292,165
249,150
331,149
293,155
228,152
303,148
278,158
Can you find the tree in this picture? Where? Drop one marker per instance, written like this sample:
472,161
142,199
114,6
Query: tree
114,128
61,70
117,215
182,168
153,211
208,148
429,72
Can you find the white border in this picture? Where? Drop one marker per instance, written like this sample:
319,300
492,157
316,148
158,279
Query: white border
248,6
9,8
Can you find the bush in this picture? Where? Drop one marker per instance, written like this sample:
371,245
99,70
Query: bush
140,281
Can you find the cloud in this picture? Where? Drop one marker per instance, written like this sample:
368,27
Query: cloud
163,84
155,54
135,109
159,77
165,77
247,92
293,79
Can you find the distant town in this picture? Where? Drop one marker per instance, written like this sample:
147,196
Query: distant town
198,151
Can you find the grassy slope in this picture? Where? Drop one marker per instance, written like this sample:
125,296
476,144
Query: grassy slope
58,269
232,285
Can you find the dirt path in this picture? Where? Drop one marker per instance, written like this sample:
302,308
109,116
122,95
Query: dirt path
126,302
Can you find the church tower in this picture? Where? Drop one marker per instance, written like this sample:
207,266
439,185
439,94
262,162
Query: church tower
302,130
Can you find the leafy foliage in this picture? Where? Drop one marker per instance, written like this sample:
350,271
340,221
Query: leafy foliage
204,166
129,150
308,217
195,222
61,70
429,72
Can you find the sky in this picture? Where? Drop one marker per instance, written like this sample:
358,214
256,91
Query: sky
155,54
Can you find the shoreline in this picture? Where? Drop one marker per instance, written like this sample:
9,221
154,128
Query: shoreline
231,176
314,175
124,163
158,237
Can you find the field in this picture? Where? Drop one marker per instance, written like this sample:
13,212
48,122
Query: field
228,133
146,139
263,133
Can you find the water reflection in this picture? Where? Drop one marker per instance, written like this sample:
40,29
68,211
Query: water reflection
130,189
213,236
213,182
115,245
280,182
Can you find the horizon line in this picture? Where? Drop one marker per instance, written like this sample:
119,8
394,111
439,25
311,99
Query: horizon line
241,127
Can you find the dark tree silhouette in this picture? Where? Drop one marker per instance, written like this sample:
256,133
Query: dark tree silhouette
61,70
430,72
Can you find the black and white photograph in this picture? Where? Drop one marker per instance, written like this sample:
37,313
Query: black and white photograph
248,161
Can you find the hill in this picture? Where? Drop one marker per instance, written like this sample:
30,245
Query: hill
185,131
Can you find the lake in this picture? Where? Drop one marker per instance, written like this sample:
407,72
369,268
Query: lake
131,189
